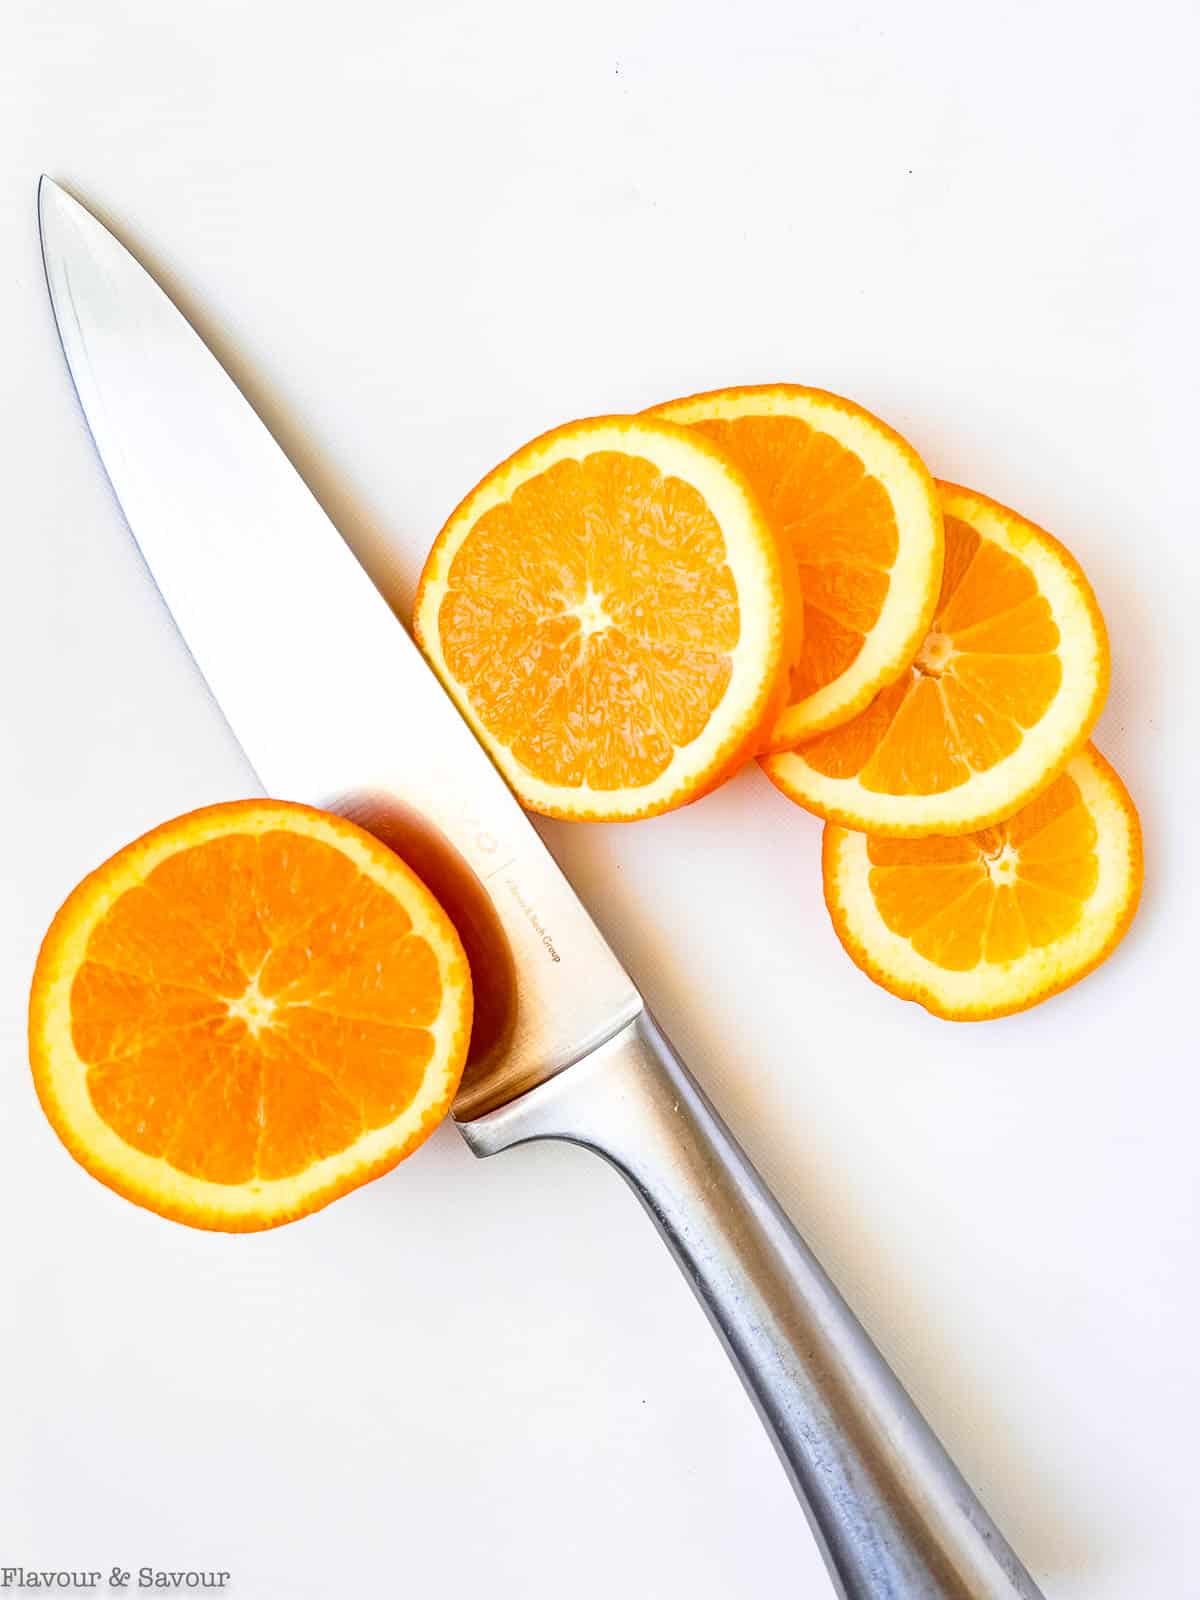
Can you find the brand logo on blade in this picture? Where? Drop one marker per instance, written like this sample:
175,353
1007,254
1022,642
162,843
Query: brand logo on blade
480,839
531,916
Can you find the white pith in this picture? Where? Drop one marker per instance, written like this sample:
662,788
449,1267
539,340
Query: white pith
590,614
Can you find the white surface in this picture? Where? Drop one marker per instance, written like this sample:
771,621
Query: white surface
420,234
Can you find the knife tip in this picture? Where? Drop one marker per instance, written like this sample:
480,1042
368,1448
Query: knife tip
54,205
47,190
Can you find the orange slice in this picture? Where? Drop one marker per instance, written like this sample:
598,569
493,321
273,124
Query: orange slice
607,609
246,1013
989,923
855,506
1005,688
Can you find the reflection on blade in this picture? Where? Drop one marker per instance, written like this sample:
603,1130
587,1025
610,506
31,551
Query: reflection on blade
325,691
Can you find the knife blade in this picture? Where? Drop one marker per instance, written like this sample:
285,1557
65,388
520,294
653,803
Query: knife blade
330,699
334,705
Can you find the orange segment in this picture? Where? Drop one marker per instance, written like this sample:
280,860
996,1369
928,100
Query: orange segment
989,923
607,608
1004,688
246,1013
855,511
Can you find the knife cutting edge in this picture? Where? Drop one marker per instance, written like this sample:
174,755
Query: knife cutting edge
334,706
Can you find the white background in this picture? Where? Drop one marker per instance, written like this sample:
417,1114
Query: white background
418,234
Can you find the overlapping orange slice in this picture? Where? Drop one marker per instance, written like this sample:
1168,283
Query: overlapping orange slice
857,516
989,923
1004,689
607,608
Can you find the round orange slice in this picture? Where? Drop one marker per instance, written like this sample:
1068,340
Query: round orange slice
607,609
246,1013
854,506
1005,688
990,923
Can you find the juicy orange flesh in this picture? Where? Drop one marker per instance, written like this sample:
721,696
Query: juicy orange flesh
992,896
236,1032
591,619
988,669
839,522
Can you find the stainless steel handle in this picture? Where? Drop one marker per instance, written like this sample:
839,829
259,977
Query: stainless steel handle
893,1516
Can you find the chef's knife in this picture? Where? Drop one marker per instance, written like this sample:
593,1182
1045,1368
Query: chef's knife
335,706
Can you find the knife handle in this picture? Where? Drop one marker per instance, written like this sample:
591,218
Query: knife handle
894,1518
